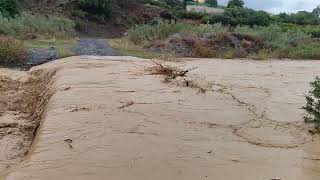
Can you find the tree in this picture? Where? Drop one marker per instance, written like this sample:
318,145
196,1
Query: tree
185,4
300,18
96,7
235,3
316,11
213,3
242,16
9,8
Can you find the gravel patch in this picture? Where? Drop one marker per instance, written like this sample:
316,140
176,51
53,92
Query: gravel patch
40,56
94,47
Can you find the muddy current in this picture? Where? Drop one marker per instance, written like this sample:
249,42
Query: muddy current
110,119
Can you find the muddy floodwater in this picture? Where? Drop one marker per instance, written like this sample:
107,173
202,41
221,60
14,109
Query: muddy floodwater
110,119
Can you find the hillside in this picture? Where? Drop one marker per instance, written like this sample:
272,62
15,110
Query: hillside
124,15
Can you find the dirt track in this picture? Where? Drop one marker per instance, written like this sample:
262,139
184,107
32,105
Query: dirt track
110,119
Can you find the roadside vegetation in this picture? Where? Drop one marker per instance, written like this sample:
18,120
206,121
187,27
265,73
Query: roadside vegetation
216,40
12,51
238,32
313,105
27,26
234,32
20,31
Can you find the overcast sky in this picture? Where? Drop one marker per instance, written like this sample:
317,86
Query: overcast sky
278,6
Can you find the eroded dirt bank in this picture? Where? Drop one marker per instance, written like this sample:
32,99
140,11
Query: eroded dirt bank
23,99
109,119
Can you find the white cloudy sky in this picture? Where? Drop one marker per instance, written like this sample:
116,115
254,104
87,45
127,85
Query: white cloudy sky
277,6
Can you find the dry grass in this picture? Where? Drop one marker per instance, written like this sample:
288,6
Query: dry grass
169,72
12,51
178,77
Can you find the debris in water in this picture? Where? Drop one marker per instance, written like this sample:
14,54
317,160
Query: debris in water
69,141
66,88
130,103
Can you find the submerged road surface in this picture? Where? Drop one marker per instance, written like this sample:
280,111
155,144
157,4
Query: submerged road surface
111,120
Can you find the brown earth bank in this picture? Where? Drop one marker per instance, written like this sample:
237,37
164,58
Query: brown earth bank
114,118
22,103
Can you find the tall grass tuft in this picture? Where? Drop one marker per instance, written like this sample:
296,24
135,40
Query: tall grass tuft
12,52
29,26
144,34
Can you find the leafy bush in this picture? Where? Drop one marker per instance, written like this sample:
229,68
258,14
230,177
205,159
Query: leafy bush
275,36
12,52
312,30
305,51
96,7
31,26
300,18
242,16
313,104
9,8
213,3
192,15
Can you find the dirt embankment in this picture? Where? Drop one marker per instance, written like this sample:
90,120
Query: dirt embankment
125,14
22,104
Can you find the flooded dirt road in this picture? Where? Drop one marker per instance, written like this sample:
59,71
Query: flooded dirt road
109,119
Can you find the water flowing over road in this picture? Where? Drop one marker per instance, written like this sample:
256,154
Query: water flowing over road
110,119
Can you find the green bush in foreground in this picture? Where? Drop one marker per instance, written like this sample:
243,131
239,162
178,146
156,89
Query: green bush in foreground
313,104
12,52
31,26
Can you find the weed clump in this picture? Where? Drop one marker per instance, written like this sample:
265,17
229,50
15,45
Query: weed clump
190,40
177,76
29,26
169,72
313,104
12,51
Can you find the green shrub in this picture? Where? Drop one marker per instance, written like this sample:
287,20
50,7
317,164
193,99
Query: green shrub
96,7
9,8
144,34
235,3
300,18
313,104
305,51
12,52
312,30
192,15
275,36
242,16
213,3
30,26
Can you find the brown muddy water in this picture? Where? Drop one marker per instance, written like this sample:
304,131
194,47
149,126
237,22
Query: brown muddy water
109,119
